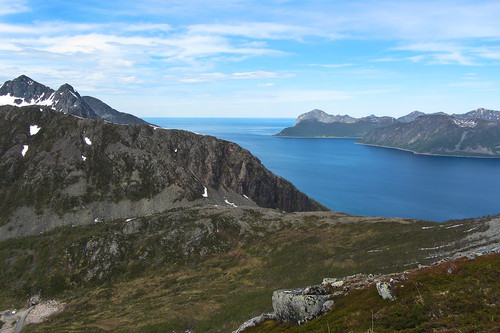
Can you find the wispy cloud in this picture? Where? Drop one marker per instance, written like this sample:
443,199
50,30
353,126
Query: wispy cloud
206,77
13,7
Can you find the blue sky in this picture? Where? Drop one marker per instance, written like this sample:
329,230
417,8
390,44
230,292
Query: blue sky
275,58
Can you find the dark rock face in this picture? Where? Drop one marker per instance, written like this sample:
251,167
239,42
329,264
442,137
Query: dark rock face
85,170
106,112
441,135
24,91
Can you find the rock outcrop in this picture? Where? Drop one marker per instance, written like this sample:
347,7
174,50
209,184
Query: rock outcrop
298,306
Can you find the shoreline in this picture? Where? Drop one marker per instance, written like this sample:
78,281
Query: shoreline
315,137
426,154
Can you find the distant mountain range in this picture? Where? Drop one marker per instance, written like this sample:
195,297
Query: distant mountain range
23,91
475,133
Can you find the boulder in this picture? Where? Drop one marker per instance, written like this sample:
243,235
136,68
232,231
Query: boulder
298,306
385,290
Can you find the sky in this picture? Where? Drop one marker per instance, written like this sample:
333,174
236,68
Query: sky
274,58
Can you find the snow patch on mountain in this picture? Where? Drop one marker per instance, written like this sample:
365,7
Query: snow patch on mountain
34,129
25,150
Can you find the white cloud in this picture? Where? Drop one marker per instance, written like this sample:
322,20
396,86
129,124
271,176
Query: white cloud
12,7
256,30
206,77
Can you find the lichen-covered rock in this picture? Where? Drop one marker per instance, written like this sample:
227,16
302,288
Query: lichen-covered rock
255,321
296,307
385,290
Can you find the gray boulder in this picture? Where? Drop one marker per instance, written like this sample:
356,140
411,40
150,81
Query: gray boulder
384,289
298,306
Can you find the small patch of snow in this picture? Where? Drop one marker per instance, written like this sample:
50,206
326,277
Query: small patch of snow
34,129
84,157
371,251
433,248
470,229
87,141
454,226
130,219
205,192
246,197
25,149
229,203
424,228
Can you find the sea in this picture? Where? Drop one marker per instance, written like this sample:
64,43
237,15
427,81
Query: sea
362,180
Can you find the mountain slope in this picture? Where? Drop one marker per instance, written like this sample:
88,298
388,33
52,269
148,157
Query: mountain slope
106,112
56,169
208,269
441,135
23,91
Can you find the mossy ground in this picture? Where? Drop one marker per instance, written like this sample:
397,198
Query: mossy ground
458,296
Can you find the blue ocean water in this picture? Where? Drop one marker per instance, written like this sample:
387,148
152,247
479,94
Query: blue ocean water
362,180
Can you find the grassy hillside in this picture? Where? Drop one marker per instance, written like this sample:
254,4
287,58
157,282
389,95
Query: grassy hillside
456,296
209,268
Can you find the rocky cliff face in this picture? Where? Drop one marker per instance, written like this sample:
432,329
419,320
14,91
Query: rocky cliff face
441,135
24,91
56,169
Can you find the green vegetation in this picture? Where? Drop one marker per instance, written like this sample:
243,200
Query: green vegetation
207,268
460,295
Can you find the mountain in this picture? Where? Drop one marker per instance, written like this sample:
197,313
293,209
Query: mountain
440,134
24,91
323,117
480,113
410,117
317,123
106,112
57,169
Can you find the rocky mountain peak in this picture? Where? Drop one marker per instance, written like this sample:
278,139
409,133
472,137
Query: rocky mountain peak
24,91
323,117
410,117
480,113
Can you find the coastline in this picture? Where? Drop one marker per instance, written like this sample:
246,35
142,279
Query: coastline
315,137
426,154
